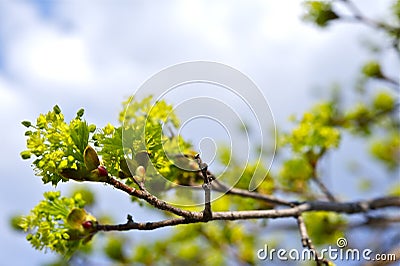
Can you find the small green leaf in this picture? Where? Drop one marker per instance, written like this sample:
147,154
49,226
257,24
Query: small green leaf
125,169
91,159
76,217
26,123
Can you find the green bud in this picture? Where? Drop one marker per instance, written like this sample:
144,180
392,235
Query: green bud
16,222
26,123
26,155
140,171
384,101
56,109
319,12
372,69
80,112
29,237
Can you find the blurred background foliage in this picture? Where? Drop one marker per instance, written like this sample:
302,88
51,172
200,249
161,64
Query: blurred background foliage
372,116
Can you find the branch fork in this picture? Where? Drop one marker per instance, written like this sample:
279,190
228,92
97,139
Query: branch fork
207,213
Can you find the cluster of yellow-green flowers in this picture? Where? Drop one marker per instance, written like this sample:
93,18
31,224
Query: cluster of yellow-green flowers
55,144
59,224
319,12
316,130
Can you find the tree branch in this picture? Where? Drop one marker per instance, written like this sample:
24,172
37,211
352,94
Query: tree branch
206,186
218,186
221,187
197,217
131,225
391,81
152,200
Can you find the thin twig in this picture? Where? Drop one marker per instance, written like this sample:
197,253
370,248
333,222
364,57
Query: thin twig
206,186
391,81
219,186
358,15
207,201
320,184
307,243
324,189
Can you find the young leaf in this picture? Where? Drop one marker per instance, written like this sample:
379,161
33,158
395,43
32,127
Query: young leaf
90,158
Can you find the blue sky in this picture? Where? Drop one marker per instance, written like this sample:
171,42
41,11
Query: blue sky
95,54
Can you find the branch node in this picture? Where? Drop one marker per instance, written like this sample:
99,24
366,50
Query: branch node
130,219
207,214
364,206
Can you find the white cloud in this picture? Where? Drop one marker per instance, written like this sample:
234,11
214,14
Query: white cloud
208,23
39,52
50,56
8,97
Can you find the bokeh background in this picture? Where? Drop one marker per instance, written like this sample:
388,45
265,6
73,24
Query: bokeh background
94,54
